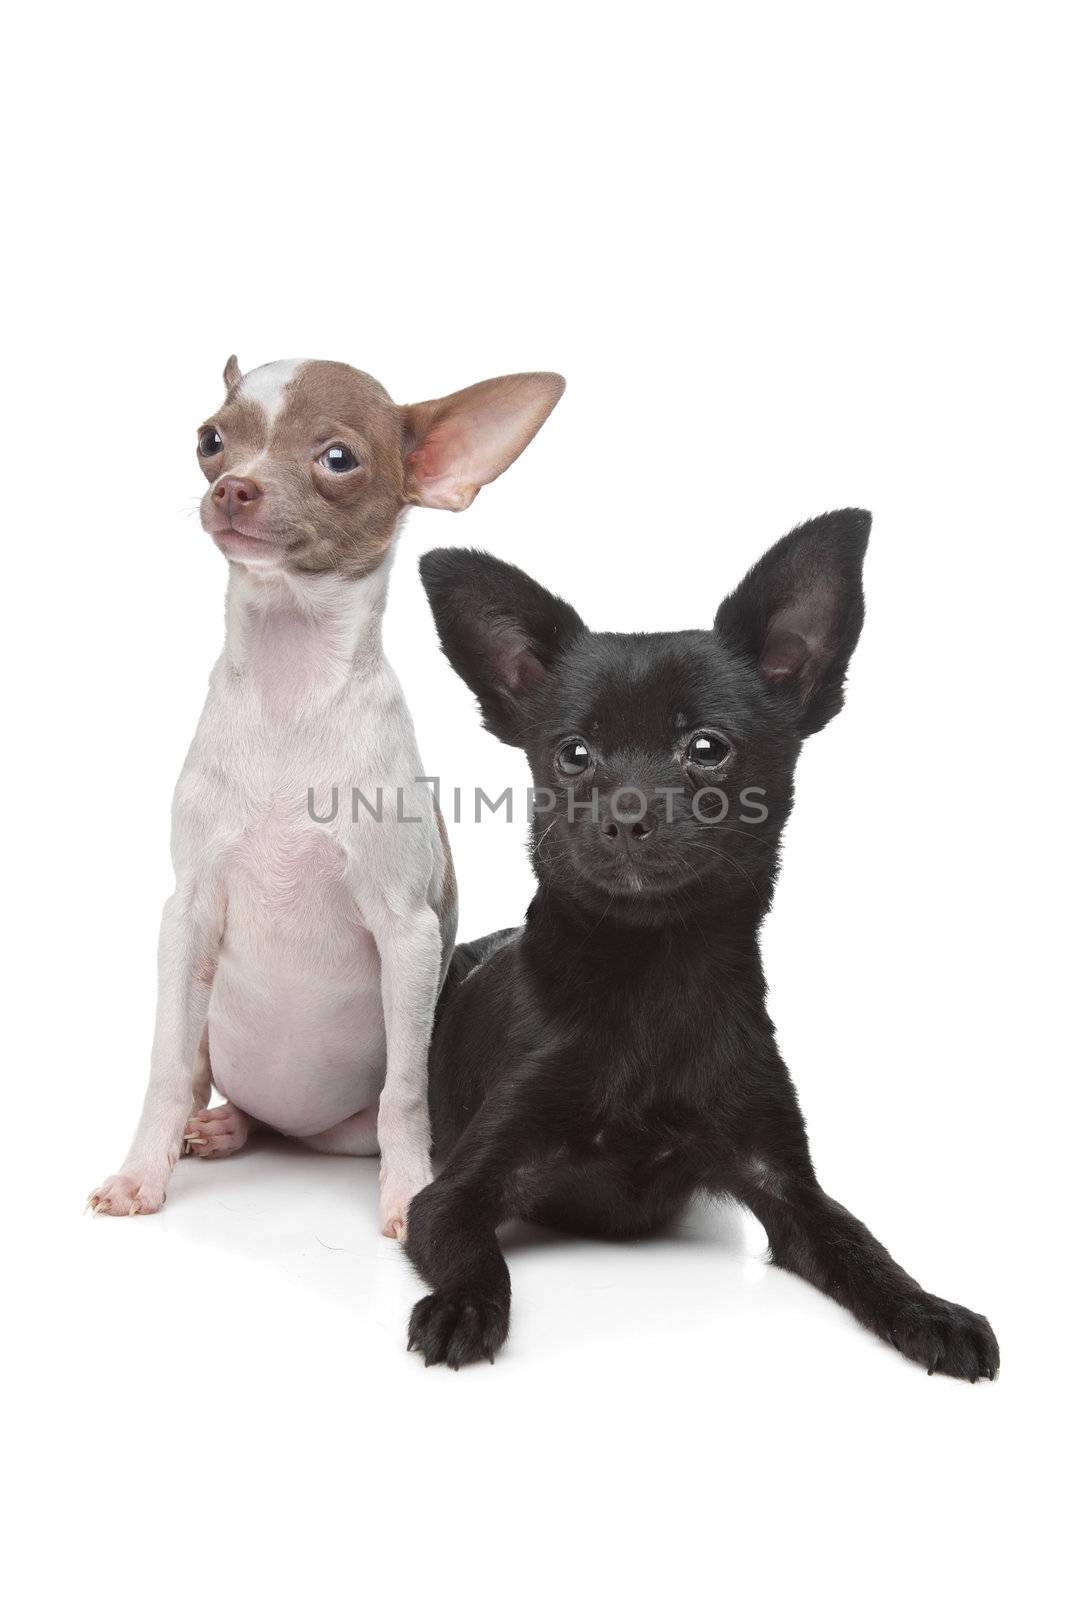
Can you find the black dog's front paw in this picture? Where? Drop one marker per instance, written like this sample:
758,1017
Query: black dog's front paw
458,1327
946,1338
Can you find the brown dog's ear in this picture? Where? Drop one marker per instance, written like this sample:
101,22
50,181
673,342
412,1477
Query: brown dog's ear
231,373
454,446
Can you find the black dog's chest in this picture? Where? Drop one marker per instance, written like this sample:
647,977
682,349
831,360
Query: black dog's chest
658,1089
641,1136
621,1175
651,1064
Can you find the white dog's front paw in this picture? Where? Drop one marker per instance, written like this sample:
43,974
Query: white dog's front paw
125,1196
397,1192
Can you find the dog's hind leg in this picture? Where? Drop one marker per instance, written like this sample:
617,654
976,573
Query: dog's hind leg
218,1131
355,1136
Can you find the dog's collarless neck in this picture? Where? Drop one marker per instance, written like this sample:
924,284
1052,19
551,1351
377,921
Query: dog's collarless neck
308,635
563,921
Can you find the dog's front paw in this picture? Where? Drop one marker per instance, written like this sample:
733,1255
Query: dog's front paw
398,1190
124,1196
457,1328
946,1338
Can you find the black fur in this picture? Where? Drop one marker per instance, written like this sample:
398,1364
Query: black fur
595,1069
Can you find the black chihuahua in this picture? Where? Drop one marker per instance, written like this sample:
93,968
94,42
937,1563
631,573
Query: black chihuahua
594,1069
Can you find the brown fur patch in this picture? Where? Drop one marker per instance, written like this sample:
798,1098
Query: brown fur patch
345,521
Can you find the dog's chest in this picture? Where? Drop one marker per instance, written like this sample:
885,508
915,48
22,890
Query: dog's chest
296,1027
286,881
643,1131
655,1052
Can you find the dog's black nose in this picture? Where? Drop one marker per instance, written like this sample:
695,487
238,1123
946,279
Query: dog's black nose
628,821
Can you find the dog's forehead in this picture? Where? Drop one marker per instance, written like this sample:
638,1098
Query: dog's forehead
266,388
647,685
295,399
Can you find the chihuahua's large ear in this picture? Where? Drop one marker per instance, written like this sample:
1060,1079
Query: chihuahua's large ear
798,613
454,446
231,373
499,629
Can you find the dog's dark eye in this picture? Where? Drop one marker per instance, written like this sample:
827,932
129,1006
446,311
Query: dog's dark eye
209,442
708,750
573,758
338,459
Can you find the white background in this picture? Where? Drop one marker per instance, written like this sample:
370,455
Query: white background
789,258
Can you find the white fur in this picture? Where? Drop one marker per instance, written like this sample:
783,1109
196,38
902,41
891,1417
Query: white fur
299,962
266,386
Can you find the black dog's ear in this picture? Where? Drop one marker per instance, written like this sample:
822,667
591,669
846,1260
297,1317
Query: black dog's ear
798,613
499,629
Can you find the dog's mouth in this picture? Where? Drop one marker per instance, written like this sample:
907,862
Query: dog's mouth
233,542
239,544
631,875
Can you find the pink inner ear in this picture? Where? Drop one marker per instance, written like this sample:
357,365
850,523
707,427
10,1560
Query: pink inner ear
465,440
442,470
435,457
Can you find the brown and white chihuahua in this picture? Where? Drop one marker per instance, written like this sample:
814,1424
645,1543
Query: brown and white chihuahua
299,961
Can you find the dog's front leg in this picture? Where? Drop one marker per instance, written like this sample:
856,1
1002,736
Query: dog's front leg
452,1241
452,1227
819,1240
188,949
409,947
